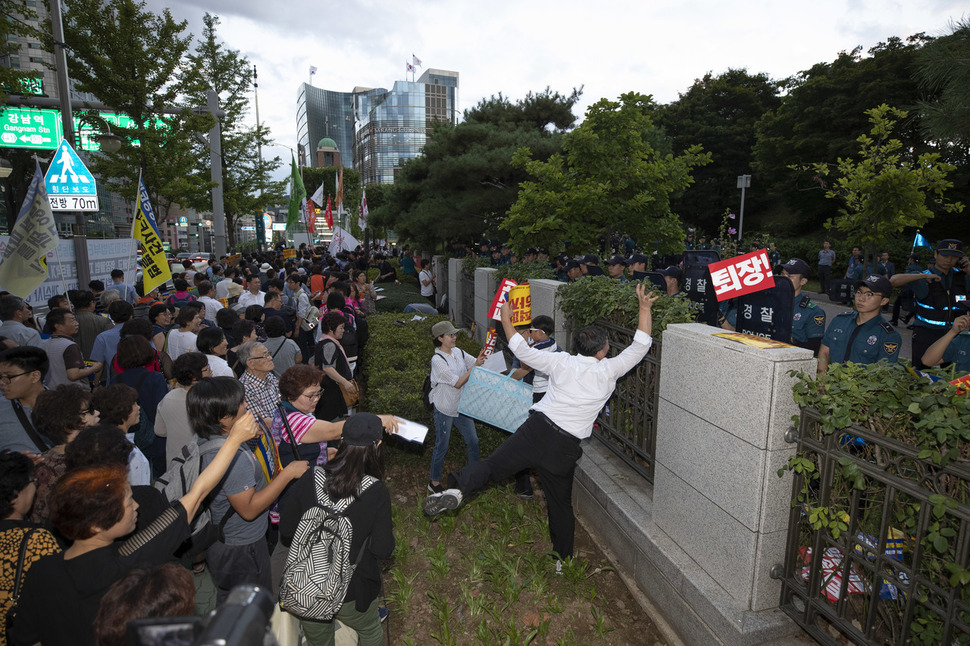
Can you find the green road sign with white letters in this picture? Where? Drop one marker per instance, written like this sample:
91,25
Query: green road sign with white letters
31,128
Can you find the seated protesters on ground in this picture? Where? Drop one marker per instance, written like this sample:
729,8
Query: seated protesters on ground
181,297
135,355
450,369
16,496
118,406
386,272
185,337
212,343
92,507
364,294
171,418
214,405
22,371
152,592
331,358
359,462
285,352
954,345
60,415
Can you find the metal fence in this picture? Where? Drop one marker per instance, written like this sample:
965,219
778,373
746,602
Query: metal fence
878,541
628,423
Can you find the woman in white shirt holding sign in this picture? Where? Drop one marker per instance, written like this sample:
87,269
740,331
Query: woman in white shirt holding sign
450,368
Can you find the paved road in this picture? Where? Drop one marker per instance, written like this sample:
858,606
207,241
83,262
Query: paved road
833,309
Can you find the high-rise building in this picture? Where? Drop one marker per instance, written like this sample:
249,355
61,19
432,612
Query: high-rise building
376,129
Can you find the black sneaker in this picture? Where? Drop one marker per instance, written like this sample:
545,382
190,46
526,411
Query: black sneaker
445,501
525,495
435,488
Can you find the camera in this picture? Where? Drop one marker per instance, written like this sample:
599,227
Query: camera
243,620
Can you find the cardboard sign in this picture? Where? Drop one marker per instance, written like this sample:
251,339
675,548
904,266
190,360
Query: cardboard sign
289,253
520,300
490,342
741,275
495,311
752,340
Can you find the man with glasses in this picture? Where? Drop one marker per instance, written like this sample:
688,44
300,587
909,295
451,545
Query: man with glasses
15,312
22,372
262,386
863,336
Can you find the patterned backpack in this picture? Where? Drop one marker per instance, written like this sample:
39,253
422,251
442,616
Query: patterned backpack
318,566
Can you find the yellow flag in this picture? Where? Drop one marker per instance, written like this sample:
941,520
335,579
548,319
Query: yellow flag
154,265
24,265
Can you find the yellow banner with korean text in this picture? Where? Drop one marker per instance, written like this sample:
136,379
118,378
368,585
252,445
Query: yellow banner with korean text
154,265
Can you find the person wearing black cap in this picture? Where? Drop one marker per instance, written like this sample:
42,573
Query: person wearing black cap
573,270
954,345
355,473
808,319
672,276
591,268
637,264
863,336
937,291
616,266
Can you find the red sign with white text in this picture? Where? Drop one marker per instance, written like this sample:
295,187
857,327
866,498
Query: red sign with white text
490,342
741,275
495,311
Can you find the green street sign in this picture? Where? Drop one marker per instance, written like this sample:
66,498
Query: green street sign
31,128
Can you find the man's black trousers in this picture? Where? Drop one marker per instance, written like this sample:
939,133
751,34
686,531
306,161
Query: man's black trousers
553,453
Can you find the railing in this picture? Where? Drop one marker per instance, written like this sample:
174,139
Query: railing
878,541
628,424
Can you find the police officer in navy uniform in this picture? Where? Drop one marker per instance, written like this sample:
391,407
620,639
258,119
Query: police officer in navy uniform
863,336
954,345
937,292
808,319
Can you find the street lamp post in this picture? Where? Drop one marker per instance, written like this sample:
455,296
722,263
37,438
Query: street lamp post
744,182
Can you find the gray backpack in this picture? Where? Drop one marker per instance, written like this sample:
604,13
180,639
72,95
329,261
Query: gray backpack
182,473
318,567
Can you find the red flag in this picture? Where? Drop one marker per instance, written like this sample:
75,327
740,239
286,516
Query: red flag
329,214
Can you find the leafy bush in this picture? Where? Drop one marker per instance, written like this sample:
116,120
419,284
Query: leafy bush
470,263
600,297
520,272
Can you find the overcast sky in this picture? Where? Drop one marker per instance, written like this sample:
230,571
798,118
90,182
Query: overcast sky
609,47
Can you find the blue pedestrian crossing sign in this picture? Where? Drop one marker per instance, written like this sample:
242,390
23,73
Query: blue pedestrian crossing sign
70,185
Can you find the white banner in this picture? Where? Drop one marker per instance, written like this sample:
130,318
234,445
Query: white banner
103,256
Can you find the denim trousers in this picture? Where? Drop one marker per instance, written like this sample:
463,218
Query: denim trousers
442,436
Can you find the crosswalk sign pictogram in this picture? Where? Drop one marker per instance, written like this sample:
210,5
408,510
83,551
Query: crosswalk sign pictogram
70,185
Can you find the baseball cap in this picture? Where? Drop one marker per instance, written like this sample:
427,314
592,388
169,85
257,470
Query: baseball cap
797,266
878,284
949,247
617,260
442,327
637,257
572,264
673,271
362,429
589,258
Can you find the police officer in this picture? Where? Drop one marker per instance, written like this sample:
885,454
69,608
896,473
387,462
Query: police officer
616,266
637,264
808,319
863,336
954,345
673,275
937,291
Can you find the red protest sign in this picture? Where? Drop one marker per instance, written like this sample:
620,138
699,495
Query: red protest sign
495,311
741,275
490,342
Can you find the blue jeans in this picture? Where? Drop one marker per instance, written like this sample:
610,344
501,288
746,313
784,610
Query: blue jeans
442,434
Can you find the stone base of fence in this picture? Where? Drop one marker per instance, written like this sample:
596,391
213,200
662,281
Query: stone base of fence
615,505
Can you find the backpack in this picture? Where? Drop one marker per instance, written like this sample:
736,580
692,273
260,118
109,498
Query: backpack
182,473
318,566
426,388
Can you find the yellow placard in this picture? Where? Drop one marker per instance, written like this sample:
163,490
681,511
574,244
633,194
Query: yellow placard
753,340
289,253
520,300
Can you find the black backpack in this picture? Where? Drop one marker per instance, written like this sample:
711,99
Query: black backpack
426,388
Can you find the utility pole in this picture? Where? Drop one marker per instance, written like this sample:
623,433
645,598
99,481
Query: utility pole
744,181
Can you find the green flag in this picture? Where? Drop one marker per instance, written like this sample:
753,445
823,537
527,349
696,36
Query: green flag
297,195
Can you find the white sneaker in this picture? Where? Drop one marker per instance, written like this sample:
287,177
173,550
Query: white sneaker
558,567
445,501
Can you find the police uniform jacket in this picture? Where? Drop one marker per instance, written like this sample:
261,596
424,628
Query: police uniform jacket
808,319
870,342
936,302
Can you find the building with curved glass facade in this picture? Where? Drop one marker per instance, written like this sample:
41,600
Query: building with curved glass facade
376,129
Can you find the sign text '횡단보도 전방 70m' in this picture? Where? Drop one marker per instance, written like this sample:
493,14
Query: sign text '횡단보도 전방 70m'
70,185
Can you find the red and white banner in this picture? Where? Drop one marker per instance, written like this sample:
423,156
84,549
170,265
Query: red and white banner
490,342
741,275
495,311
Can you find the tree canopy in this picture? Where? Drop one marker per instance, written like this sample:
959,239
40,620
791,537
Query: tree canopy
464,182
615,173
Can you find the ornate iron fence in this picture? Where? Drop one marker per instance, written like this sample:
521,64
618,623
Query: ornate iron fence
628,423
878,541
